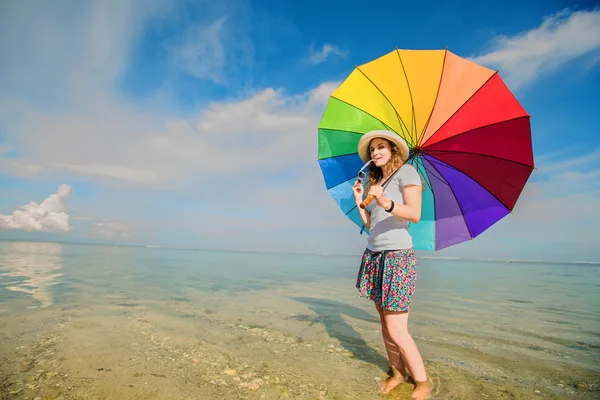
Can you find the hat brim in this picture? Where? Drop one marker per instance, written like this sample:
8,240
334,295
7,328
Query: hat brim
365,141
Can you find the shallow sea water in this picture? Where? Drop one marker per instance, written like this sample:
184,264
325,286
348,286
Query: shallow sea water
86,321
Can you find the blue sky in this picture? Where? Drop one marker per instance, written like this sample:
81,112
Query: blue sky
193,124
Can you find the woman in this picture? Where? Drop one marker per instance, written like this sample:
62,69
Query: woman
388,273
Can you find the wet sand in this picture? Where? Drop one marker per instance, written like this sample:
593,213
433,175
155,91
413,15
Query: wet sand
125,348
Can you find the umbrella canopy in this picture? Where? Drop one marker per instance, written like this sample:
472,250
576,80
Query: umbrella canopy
470,139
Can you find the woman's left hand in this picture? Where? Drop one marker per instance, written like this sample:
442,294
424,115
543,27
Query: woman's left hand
377,191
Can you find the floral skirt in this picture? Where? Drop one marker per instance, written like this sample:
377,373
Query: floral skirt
388,278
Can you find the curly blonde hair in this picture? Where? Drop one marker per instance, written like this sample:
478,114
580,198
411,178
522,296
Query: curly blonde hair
376,173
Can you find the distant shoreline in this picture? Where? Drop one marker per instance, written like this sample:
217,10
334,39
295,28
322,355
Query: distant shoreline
425,257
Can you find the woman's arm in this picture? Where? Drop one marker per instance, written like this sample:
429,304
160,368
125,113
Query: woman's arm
357,189
411,210
364,215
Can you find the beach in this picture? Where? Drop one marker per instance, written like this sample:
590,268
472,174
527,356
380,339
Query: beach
107,322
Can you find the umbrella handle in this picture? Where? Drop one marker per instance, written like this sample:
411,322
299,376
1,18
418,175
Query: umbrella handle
366,201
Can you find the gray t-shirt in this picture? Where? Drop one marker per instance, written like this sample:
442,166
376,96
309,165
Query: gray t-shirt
389,232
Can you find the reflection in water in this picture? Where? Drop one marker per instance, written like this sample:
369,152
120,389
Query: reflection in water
37,262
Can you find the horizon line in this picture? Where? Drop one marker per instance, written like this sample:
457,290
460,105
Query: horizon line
444,258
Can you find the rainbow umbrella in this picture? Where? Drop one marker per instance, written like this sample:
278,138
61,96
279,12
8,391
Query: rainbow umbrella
470,139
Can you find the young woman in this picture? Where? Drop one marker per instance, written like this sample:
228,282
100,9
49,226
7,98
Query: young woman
388,274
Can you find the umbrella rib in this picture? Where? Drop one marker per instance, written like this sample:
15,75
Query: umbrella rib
436,98
352,209
339,155
336,156
361,110
432,152
388,100
340,130
459,108
462,213
442,181
420,166
412,103
338,184
424,147
469,176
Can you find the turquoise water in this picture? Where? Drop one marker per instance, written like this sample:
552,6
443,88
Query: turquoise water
563,299
549,312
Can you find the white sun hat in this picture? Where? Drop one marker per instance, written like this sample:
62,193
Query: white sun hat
365,140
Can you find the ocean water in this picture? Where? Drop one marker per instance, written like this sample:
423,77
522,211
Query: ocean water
491,319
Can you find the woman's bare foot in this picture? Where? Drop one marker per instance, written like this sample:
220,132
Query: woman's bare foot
422,391
390,383
396,378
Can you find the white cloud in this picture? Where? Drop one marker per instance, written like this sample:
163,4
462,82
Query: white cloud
202,54
576,175
19,167
265,129
216,46
320,95
320,56
565,188
556,162
112,230
49,216
104,136
81,218
560,38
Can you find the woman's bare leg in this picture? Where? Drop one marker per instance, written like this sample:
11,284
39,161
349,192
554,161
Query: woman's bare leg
397,327
397,366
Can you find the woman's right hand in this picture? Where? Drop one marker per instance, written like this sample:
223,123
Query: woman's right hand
357,189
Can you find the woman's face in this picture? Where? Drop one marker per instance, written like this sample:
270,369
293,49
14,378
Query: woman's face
381,151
